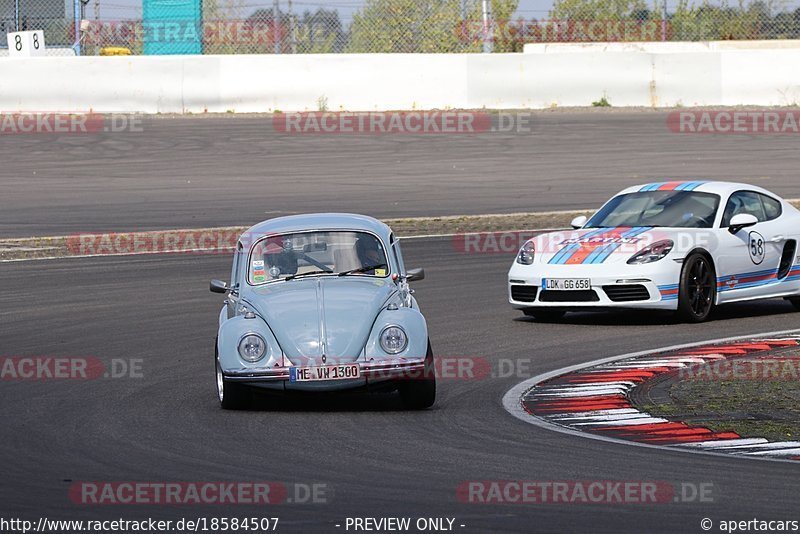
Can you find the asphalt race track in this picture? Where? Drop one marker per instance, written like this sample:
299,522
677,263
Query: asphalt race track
375,459
218,171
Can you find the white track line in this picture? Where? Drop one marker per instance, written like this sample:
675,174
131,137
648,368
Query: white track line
512,400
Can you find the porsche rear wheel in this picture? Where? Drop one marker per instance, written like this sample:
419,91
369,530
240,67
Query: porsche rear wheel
420,393
698,289
231,396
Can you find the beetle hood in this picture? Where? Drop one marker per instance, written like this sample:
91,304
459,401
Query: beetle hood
312,317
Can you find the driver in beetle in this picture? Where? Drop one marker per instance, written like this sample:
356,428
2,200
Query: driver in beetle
370,254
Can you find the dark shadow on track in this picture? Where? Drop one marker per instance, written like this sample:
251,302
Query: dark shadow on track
354,402
725,312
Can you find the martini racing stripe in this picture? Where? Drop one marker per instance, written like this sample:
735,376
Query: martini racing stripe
671,186
562,255
746,280
755,279
601,254
586,249
669,292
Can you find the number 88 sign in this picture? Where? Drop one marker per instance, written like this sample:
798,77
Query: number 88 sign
757,247
26,44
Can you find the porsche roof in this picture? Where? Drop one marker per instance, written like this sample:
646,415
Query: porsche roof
320,221
705,186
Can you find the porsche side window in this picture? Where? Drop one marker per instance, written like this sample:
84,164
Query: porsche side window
772,207
747,202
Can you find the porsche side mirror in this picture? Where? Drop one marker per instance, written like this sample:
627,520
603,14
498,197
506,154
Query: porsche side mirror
413,275
218,286
578,222
742,220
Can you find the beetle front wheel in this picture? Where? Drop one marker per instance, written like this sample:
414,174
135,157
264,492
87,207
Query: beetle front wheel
231,396
420,393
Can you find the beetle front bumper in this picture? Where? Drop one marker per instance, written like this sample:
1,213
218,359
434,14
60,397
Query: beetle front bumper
372,372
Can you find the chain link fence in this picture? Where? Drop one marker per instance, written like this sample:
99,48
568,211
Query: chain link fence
57,18
396,26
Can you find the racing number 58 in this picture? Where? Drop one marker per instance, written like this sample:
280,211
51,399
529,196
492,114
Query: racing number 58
756,247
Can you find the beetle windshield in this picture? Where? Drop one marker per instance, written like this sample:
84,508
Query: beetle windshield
295,255
675,209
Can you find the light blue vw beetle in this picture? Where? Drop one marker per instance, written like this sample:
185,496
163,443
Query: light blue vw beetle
322,303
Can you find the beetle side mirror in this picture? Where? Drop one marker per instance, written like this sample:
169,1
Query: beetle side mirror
742,220
578,222
218,286
413,275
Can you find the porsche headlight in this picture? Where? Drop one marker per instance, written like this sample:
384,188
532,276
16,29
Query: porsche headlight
656,251
525,256
393,339
252,348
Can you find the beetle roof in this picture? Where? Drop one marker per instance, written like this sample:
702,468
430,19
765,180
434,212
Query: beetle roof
321,222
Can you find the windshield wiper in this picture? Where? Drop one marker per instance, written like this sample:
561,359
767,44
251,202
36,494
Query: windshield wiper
362,269
309,273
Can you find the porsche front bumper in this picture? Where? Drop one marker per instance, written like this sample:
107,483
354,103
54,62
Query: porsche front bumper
653,286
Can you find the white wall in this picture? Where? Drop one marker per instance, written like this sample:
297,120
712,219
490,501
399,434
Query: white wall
546,75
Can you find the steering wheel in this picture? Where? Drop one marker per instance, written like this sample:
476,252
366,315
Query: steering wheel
700,220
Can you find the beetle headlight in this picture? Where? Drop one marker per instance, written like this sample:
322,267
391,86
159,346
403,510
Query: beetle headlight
252,348
525,256
651,253
393,339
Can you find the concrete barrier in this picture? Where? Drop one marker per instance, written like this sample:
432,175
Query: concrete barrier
687,74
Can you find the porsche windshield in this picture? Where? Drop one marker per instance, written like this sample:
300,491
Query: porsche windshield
291,256
676,209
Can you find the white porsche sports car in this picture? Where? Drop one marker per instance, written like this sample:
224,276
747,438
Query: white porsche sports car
683,246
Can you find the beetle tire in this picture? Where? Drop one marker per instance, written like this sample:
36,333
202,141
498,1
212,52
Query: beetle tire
231,396
420,393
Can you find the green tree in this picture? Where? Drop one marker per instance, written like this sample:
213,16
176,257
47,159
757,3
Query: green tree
723,21
432,26
603,10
